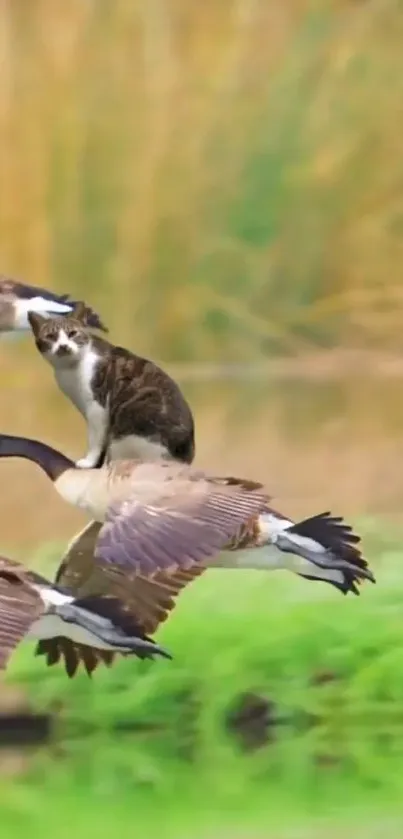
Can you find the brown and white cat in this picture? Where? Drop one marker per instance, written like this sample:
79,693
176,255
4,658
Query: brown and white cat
132,407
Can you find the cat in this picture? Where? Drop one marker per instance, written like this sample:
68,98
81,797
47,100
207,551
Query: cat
132,407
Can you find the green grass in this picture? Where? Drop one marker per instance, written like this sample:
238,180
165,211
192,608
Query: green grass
337,754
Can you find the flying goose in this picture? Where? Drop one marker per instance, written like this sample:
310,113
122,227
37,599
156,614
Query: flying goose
31,607
168,517
18,299
147,601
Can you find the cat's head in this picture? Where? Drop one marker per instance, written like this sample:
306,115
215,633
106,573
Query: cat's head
62,340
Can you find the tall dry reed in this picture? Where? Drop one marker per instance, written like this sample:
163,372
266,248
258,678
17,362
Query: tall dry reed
224,179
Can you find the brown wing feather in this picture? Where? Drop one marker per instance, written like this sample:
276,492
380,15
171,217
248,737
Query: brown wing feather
149,601
51,648
242,483
175,523
72,655
77,564
20,605
7,286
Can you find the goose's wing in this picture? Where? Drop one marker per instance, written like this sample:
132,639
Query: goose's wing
20,606
148,601
174,519
43,301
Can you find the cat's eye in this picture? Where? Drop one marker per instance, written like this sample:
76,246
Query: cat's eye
73,333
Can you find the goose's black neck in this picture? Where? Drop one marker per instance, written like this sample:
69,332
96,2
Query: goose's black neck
52,462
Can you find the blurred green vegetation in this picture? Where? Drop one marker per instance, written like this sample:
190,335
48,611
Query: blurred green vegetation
159,742
224,180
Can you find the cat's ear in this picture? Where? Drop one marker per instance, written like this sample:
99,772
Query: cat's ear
36,321
80,312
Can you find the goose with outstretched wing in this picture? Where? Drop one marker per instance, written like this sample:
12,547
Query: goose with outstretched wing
87,627
182,519
147,601
17,300
169,517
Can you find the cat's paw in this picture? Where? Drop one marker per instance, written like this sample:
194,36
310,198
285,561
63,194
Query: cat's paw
86,462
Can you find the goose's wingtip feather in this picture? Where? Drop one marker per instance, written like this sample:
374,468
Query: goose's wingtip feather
162,652
341,550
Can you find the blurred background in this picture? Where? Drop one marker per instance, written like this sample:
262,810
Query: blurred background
223,181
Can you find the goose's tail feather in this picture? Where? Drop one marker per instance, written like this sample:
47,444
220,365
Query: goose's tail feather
330,548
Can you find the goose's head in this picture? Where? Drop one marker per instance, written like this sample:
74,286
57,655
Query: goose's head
62,340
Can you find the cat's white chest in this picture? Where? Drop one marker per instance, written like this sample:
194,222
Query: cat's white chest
75,382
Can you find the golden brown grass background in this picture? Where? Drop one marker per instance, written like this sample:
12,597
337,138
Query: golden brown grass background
224,181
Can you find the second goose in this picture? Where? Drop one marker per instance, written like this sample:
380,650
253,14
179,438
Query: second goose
145,602
89,627
170,517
